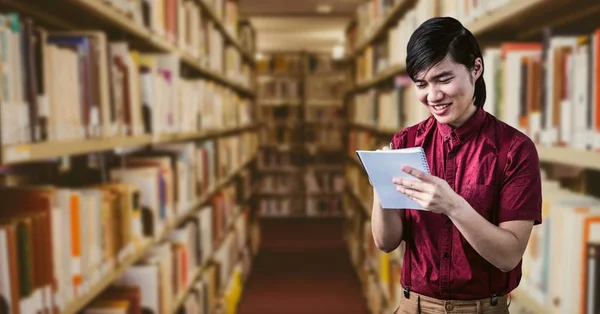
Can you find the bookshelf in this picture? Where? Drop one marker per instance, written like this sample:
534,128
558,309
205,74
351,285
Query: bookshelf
300,97
381,102
131,145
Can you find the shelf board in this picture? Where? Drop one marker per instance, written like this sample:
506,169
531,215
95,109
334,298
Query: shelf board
526,18
81,302
569,156
374,129
384,76
48,150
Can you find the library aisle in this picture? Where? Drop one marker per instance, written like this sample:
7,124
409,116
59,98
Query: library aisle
302,272
199,156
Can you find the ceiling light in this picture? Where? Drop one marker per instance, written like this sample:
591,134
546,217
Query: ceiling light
324,8
337,52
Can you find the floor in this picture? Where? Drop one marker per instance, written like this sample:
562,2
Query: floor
303,267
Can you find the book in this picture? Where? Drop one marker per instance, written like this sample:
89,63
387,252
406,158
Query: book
384,165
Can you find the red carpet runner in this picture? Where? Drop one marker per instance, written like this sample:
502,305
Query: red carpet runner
303,267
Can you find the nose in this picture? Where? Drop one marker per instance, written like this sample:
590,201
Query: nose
434,94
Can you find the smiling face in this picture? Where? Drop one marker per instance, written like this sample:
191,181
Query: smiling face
447,90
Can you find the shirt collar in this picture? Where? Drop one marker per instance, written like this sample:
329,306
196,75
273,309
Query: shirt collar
466,130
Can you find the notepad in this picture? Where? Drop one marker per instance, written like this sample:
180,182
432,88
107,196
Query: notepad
384,165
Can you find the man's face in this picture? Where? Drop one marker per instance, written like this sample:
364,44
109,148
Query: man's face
447,91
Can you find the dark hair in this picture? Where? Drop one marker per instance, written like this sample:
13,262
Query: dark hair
437,38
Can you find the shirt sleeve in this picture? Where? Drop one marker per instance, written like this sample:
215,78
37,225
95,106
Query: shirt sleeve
521,194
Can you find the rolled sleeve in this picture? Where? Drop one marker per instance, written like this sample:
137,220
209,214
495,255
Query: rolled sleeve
521,193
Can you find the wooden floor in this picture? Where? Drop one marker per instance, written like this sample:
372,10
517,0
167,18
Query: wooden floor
303,267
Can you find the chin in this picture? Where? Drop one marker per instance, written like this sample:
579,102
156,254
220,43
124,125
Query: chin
445,118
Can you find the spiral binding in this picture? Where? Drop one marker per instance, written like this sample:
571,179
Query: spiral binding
424,160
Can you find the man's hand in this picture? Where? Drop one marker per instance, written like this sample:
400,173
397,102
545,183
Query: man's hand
431,192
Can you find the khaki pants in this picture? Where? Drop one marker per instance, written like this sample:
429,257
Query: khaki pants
420,304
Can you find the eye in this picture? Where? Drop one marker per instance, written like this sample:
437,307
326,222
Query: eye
445,80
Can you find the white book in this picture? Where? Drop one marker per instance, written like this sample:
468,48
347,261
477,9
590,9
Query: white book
384,165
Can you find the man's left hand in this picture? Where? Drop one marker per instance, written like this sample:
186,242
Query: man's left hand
431,192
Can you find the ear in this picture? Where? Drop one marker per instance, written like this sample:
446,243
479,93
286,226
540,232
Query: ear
477,68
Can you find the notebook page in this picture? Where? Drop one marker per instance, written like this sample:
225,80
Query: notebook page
382,166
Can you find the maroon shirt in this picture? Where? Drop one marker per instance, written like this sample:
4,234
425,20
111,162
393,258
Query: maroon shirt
443,264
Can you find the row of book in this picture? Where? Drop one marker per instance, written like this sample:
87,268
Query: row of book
326,87
185,23
378,271
61,236
562,257
391,50
324,181
193,259
387,107
284,63
368,16
67,85
283,89
546,89
559,265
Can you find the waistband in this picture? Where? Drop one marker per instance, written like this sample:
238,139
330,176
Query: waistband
425,303
488,300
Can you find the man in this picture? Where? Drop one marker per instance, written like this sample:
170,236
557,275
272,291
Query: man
483,195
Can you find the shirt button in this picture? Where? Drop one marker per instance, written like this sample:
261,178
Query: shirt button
446,255
451,155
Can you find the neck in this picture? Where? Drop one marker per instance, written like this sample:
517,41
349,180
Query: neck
465,116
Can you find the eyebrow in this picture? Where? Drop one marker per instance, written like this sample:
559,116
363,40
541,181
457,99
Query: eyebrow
439,75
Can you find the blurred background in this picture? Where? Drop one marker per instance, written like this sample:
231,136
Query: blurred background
198,156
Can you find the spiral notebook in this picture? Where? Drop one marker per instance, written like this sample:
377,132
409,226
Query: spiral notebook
383,165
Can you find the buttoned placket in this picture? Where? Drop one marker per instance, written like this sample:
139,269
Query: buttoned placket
451,144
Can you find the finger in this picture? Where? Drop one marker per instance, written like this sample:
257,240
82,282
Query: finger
413,194
419,174
411,184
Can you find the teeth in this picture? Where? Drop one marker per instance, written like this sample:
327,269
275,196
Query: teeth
440,107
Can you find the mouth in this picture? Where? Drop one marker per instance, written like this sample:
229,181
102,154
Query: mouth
440,108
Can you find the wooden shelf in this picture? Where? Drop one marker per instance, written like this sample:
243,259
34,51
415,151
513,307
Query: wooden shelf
182,296
365,208
80,303
75,306
48,150
374,129
569,156
228,37
105,17
524,19
382,27
384,76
